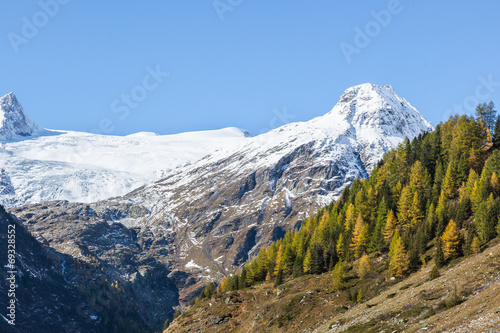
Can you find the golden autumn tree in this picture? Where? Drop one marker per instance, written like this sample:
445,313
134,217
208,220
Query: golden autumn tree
494,183
365,266
404,206
390,226
360,237
350,217
307,262
475,196
223,287
416,212
277,267
447,189
399,263
340,247
476,245
450,240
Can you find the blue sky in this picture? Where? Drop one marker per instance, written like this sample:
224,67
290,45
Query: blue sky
251,64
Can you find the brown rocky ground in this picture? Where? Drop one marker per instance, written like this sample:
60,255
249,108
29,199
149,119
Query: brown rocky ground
465,298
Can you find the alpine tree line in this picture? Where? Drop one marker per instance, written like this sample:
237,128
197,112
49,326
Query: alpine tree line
440,190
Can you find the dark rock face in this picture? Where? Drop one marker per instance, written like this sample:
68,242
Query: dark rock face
114,254
57,292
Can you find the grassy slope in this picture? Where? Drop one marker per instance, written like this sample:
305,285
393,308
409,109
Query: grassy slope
307,304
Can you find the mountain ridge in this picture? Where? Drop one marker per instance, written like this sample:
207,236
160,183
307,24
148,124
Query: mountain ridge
203,220
86,167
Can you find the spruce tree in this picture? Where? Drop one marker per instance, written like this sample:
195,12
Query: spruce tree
438,254
340,247
298,266
486,113
377,242
166,324
496,133
288,259
279,278
242,283
434,273
416,212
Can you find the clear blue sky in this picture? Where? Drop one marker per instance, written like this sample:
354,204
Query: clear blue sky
263,56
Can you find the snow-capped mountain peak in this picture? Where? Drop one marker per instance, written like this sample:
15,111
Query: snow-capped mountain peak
370,105
376,117
14,121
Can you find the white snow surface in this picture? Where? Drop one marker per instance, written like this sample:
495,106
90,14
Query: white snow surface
367,114
367,121
14,122
368,118
84,167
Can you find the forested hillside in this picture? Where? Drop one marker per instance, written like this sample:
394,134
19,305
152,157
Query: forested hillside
441,192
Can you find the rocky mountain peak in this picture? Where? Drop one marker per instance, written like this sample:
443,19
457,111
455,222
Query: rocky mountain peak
14,121
379,107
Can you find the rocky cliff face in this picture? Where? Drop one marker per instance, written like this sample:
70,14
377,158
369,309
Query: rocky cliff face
80,252
205,219
56,292
13,119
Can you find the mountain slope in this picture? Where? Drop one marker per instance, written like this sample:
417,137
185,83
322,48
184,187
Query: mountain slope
56,292
204,219
224,207
432,203
84,167
308,304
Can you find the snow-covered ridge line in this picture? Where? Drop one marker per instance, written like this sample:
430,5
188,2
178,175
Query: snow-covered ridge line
38,165
367,121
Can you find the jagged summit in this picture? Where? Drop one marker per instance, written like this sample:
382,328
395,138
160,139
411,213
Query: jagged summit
14,121
379,107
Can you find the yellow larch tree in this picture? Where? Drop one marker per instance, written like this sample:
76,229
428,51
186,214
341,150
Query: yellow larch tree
390,226
450,240
399,261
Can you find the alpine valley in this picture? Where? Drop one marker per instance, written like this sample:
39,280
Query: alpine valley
158,217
